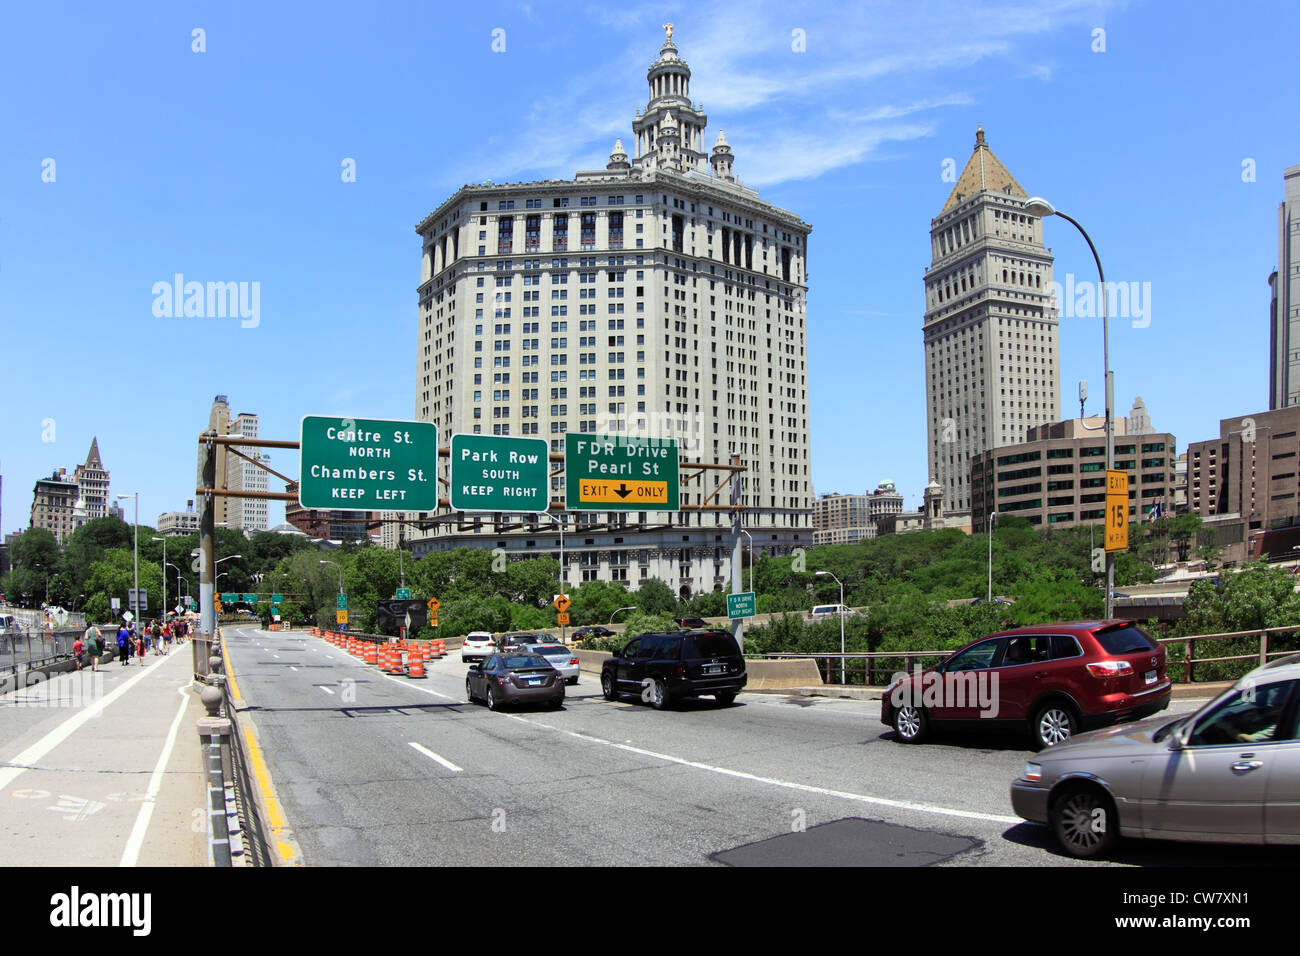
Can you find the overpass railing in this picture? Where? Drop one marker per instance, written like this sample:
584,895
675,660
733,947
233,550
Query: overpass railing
1226,657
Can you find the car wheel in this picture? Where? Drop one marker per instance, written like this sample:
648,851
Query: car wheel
1084,822
557,703
726,699
1054,723
911,724
607,688
493,702
659,699
469,694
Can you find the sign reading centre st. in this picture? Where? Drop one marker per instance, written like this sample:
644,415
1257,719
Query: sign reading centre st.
368,464
614,473
491,473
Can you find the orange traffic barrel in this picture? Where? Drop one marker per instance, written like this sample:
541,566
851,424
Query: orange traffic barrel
426,652
415,664
371,653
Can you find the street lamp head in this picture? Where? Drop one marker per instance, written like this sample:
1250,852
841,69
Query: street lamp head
1040,207
820,574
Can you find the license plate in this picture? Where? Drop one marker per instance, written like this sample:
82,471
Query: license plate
1150,677
716,669
534,681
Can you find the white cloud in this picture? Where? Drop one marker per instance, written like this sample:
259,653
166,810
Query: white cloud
864,69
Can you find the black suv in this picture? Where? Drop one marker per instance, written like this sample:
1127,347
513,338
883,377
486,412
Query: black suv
664,668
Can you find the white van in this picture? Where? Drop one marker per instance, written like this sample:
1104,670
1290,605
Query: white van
823,612
8,624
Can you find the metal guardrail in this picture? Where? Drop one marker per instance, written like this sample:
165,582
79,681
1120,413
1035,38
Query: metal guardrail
252,826
30,648
865,665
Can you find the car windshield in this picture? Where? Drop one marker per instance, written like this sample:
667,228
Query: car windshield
550,650
709,645
524,661
1125,639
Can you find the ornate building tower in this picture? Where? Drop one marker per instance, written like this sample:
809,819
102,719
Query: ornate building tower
670,90
990,327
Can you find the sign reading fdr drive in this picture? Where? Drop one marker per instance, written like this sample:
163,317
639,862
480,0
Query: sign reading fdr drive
368,464
605,473
490,473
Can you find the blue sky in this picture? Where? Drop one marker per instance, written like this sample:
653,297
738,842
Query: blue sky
225,165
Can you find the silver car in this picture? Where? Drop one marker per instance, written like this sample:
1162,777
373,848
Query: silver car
563,659
1229,773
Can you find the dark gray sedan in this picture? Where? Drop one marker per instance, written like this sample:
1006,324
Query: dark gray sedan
1229,773
520,678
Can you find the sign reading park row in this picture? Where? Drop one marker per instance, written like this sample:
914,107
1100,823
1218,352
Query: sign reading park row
368,464
607,473
491,473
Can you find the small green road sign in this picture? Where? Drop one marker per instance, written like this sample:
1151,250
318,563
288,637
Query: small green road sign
616,473
492,473
741,605
403,594
342,603
277,598
249,598
368,464
229,598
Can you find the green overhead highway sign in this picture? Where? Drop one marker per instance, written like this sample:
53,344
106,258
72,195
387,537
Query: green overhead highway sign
249,598
404,594
740,605
608,473
368,464
277,598
229,597
491,473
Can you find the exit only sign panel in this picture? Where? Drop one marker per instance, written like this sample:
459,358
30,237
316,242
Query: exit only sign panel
606,473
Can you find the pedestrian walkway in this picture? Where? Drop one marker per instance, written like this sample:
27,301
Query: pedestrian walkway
104,768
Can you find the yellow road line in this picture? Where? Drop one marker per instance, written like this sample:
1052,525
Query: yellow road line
275,816
230,674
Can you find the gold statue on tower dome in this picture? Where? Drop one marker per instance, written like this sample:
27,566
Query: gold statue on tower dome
668,29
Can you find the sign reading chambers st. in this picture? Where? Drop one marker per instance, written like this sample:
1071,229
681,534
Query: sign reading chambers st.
492,473
615,473
368,464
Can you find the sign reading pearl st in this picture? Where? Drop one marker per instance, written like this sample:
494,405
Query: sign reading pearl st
368,464
608,473
491,473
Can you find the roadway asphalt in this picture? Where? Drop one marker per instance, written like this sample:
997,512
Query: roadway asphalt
377,770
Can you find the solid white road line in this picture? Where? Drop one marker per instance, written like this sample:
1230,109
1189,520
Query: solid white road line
136,840
433,756
63,731
774,782
742,775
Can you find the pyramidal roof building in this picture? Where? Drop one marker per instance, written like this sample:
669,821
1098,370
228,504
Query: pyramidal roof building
990,326
658,297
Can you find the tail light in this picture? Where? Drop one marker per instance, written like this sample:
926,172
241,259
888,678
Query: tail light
574,661
681,670
1110,668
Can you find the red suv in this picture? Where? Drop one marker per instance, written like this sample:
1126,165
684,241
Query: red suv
1052,679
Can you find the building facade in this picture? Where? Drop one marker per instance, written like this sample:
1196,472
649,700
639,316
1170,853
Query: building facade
848,519
174,523
331,525
1284,305
247,514
990,328
54,505
658,297
1057,477
92,480
1249,471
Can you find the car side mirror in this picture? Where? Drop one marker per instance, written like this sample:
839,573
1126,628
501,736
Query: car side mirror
1178,739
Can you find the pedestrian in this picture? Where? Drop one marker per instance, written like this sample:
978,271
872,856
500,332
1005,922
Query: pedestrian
123,644
94,646
157,638
167,638
78,648
141,644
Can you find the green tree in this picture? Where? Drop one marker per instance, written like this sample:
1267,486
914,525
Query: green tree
35,559
1182,530
654,597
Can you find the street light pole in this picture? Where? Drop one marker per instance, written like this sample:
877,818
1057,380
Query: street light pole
992,516
843,672
751,557
338,568
136,550
1042,208
630,607
559,524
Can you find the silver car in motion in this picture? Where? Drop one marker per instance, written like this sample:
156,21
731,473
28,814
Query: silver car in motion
1229,773
563,659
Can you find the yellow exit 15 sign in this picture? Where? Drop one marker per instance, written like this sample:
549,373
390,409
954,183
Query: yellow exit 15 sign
1116,510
